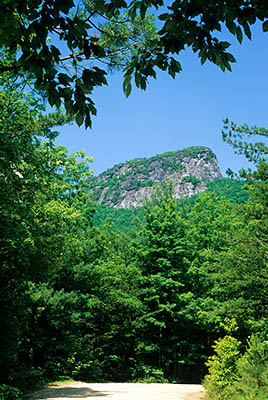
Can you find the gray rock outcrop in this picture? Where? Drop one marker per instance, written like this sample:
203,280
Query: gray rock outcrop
127,184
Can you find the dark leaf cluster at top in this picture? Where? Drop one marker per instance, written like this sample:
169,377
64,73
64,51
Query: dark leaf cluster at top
60,43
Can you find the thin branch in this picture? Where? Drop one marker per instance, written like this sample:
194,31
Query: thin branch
57,31
95,26
71,56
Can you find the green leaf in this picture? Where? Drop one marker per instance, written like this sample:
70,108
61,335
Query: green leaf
97,50
230,57
171,71
231,26
239,34
143,83
79,119
174,67
88,77
222,66
64,79
203,59
225,45
88,122
228,66
133,11
127,85
265,26
137,79
247,30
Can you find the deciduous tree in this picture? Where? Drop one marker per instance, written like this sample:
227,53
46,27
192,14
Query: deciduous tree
62,43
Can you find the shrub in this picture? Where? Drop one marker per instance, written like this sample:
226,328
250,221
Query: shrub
251,381
83,366
148,374
10,393
192,179
222,365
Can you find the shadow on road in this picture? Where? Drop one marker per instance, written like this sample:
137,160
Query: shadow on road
67,392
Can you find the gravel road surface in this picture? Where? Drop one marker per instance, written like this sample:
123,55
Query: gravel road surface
119,391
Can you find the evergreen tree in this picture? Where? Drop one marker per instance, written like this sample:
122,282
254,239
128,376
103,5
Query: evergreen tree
251,378
164,347
239,270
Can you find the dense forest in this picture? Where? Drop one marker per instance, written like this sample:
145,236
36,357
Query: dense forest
85,296
170,292
126,219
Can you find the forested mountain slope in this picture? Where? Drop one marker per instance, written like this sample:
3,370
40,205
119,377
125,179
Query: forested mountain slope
127,184
122,219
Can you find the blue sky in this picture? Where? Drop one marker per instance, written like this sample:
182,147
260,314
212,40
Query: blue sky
174,114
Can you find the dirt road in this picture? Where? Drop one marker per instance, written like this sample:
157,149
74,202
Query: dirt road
119,391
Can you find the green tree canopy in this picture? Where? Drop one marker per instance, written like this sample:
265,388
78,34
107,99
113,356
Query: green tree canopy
63,43
42,204
239,269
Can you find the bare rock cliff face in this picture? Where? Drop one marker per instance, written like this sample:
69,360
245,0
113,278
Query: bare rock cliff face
126,185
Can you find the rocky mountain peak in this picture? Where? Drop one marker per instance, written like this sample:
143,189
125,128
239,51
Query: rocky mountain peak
127,184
